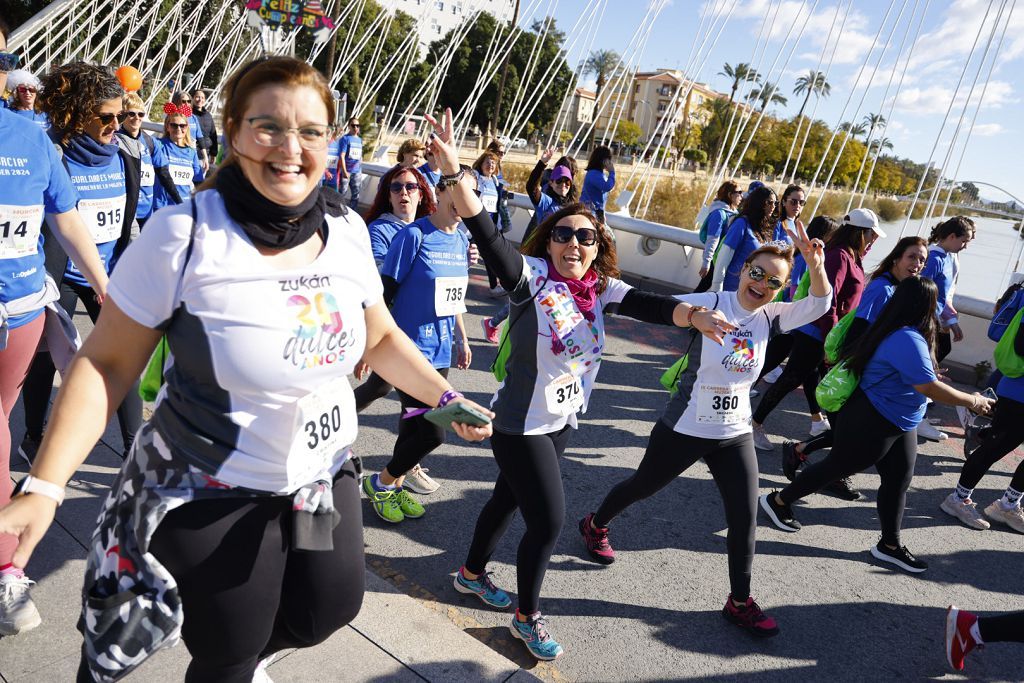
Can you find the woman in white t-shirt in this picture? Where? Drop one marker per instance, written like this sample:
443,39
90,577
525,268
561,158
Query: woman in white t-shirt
238,504
709,418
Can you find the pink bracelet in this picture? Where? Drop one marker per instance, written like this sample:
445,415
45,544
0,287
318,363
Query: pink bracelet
447,397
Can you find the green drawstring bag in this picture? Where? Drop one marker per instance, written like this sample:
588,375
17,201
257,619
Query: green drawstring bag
836,336
802,287
1007,360
153,377
670,378
836,388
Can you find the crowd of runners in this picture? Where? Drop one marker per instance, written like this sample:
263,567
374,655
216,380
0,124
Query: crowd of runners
237,252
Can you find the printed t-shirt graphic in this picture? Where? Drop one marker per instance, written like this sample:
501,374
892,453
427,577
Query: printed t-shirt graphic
32,182
101,203
261,398
431,268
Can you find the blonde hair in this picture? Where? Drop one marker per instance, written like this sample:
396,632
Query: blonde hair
133,101
409,146
188,132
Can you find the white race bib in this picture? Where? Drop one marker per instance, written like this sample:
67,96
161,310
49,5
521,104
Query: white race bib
148,176
450,295
326,424
722,405
103,217
564,395
181,175
490,202
19,230
355,153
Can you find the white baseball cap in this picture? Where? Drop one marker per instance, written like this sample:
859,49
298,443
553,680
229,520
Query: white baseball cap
864,218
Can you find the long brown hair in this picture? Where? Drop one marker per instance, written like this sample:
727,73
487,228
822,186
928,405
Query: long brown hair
911,305
889,262
606,263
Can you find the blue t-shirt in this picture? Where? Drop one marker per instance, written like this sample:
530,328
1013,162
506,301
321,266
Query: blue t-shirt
717,220
545,207
351,148
741,239
183,165
939,268
33,182
382,233
431,176
874,298
333,154
39,118
489,193
195,128
596,187
150,162
901,361
418,257
102,202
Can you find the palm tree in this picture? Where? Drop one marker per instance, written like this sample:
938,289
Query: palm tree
873,121
854,130
767,94
813,82
601,63
741,73
880,144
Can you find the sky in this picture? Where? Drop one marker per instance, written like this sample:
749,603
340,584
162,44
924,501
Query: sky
936,35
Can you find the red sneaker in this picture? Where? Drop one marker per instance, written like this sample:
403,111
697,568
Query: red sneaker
491,331
596,540
750,617
959,640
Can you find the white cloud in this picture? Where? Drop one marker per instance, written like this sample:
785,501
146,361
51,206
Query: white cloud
934,99
985,130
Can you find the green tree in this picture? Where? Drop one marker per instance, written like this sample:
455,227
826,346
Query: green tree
811,83
854,130
628,133
600,64
766,94
741,73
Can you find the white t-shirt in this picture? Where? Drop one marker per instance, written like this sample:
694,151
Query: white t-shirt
714,402
257,394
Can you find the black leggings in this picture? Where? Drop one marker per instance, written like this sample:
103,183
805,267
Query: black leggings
732,463
1002,628
1006,433
778,349
39,382
530,480
943,345
372,389
245,594
864,438
802,368
417,436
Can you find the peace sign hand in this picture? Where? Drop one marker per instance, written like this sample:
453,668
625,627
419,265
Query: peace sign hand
546,156
813,250
441,143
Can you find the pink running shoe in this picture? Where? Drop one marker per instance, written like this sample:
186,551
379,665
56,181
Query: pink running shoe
959,640
491,331
750,617
596,540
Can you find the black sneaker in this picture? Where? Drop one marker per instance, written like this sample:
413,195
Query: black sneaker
781,515
901,557
28,449
843,488
791,460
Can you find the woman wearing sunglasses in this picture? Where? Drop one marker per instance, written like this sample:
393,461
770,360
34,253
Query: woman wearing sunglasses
150,153
178,148
757,223
84,104
709,417
24,87
561,287
844,254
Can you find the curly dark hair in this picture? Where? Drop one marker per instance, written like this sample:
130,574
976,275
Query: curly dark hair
762,223
71,94
606,263
382,200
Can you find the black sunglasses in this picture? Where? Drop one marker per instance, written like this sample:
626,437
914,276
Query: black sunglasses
178,126
757,274
397,187
586,237
107,119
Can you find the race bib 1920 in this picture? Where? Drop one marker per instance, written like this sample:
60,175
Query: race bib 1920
19,230
564,395
722,405
103,217
450,296
181,175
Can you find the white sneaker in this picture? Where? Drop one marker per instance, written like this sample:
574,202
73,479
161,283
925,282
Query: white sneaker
964,510
498,292
417,481
761,440
928,431
820,427
774,375
1013,518
261,675
17,611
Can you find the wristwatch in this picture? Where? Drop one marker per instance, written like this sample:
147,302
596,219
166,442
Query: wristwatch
32,484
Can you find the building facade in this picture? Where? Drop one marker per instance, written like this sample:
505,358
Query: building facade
435,18
577,111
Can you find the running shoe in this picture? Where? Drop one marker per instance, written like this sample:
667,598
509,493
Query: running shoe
595,538
761,440
791,460
17,611
820,427
492,332
534,632
417,481
959,640
384,503
929,431
498,291
781,515
28,449
964,510
843,488
901,557
1013,518
483,588
411,508
773,376
750,617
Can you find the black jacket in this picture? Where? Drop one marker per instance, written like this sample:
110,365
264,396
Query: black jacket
209,139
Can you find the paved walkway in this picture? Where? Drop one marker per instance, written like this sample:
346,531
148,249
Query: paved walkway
654,614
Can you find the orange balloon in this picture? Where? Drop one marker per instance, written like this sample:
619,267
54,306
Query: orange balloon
131,79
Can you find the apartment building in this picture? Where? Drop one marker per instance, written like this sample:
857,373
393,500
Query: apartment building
578,110
437,17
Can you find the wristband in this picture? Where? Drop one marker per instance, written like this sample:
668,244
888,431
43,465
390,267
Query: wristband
447,397
694,309
32,484
451,180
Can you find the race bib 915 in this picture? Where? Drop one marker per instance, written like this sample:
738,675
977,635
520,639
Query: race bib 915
103,217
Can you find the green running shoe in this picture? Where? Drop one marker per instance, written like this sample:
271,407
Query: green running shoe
384,503
411,507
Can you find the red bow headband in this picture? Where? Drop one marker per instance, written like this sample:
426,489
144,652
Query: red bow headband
183,109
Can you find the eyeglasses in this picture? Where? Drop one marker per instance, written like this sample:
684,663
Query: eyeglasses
270,133
757,274
178,126
396,187
27,89
107,119
9,61
134,114
586,237
796,202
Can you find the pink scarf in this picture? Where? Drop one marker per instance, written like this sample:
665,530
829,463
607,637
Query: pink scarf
584,294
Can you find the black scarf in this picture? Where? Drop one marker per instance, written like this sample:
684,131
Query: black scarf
266,223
